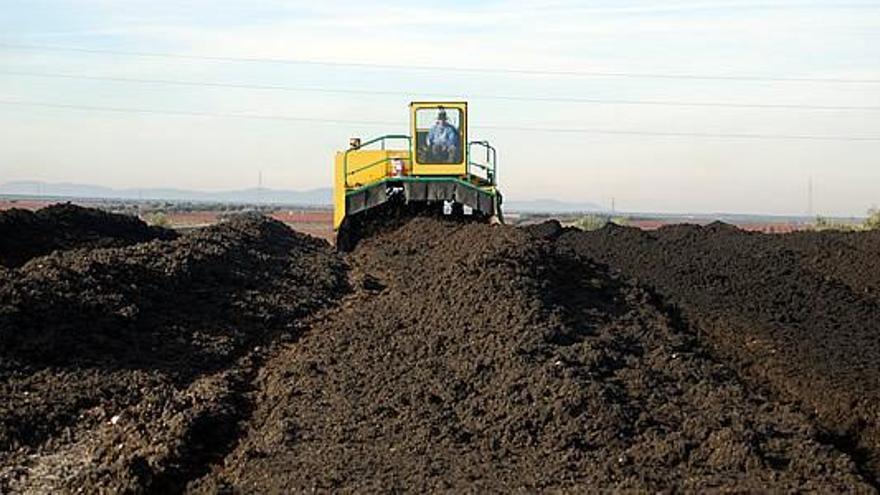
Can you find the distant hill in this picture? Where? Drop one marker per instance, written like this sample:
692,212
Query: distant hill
312,197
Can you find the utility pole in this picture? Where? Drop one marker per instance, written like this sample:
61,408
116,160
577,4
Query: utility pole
612,205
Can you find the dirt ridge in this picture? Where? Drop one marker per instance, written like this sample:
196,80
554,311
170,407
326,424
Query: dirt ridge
26,234
150,331
796,312
512,365
436,356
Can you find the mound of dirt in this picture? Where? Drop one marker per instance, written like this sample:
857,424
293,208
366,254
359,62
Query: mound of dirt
851,258
435,356
475,357
550,229
25,234
160,334
796,312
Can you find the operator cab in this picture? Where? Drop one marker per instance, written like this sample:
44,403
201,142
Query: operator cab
439,135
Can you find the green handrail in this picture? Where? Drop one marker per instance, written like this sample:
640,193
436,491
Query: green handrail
491,166
380,139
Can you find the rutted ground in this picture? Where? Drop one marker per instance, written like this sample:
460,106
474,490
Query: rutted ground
435,356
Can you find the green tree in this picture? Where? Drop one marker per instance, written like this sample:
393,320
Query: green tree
591,222
822,223
157,219
873,220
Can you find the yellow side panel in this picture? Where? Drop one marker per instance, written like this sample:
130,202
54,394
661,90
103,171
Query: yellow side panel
435,169
358,168
338,192
367,166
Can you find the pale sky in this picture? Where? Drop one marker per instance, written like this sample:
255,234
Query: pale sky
775,40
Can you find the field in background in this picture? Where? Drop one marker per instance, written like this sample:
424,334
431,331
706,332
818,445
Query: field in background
185,215
317,221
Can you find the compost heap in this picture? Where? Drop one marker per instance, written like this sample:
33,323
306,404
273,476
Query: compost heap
128,368
799,313
434,356
25,234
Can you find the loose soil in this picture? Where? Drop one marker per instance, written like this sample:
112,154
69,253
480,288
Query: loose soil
434,356
798,312
25,234
482,358
126,368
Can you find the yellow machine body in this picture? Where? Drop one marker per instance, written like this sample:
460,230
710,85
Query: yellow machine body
364,167
434,164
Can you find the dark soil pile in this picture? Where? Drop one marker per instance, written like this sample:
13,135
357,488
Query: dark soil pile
852,258
475,357
434,356
797,312
26,234
160,334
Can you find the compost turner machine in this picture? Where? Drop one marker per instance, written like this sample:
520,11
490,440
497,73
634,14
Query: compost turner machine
435,170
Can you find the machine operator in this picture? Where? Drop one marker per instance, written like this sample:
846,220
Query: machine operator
443,140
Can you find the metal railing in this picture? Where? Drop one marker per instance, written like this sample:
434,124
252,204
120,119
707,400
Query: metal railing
490,166
382,140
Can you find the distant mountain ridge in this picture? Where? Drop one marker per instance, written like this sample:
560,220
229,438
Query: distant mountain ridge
311,197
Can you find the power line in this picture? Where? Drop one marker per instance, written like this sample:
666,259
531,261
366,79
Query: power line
798,137
187,113
308,89
475,70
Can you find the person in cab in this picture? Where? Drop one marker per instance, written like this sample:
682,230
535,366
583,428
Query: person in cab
443,140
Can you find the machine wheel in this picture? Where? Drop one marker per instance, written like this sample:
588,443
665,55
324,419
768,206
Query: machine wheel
498,217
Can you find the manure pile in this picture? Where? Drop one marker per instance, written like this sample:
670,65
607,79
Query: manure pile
435,356
26,234
797,314
130,369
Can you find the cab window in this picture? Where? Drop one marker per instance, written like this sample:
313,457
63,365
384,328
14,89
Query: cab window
439,137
